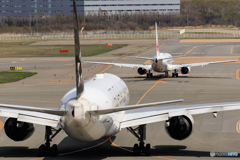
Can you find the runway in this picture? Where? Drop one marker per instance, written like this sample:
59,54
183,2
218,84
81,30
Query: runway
207,84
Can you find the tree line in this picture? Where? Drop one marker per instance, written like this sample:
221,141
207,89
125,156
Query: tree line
192,13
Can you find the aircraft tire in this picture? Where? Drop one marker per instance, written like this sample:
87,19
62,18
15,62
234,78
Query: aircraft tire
54,150
148,150
42,151
135,149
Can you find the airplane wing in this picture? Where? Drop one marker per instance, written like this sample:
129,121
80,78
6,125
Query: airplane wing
41,116
122,64
156,114
140,57
152,58
124,108
178,66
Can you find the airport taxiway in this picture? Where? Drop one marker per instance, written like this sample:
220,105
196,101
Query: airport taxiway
208,84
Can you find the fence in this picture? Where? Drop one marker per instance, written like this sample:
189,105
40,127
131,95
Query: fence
175,33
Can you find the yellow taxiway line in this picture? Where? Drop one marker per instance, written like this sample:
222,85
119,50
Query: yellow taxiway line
159,81
190,50
237,74
231,50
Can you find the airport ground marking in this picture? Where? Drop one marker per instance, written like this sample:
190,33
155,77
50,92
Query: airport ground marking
1,125
105,69
164,158
190,50
147,62
232,50
119,146
145,52
238,127
159,81
237,74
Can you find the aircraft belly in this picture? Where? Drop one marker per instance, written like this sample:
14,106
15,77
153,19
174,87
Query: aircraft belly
158,67
90,132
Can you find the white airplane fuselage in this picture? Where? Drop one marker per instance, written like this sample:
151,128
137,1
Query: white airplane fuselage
103,91
163,62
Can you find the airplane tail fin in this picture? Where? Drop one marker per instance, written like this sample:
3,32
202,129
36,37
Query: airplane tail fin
78,58
157,46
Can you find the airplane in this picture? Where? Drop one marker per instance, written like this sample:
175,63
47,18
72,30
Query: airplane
161,62
100,108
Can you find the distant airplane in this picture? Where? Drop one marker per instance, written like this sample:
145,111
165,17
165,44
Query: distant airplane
99,108
161,62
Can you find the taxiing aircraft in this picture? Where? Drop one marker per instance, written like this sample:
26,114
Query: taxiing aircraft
99,108
161,62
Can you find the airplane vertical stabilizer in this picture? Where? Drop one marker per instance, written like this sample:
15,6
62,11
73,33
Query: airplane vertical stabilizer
78,59
157,46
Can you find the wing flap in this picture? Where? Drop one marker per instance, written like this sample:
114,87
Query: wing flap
8,114
32,115
177,66
144,120
38,120
34,109
154,114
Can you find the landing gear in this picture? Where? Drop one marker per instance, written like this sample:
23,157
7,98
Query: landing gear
140,133
175,73
45,149
149,74
166,74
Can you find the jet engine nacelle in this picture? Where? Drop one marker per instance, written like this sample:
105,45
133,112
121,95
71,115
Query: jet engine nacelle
180,127
185,70
142,71
18,131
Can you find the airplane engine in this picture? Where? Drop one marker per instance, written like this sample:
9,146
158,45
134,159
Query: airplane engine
185,70
18,131
180,127
142,71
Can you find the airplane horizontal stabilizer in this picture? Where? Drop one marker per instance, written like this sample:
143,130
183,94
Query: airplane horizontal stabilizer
124,108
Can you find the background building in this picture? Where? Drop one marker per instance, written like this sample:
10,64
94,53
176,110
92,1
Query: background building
24,8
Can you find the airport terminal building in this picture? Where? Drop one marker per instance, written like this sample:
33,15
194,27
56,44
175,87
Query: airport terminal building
24,8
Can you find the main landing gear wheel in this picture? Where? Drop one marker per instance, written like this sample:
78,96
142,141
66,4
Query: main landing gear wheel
54,150
138,150
135,149
42,150
166,74
140,133
175,74
149,74
148,150
45,149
